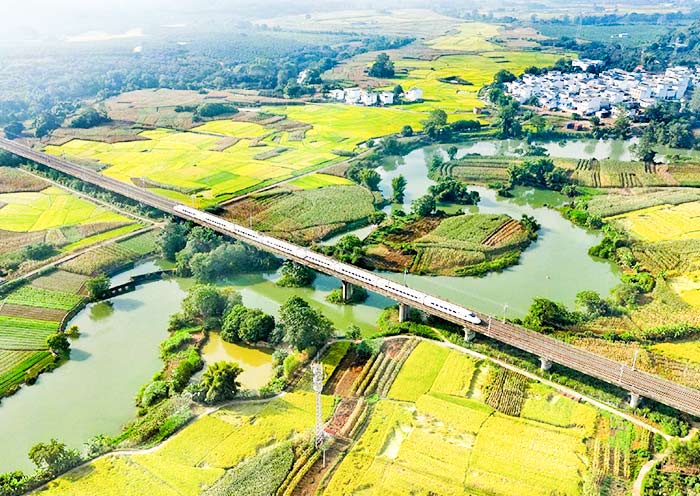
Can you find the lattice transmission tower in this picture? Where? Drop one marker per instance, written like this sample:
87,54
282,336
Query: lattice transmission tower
317,370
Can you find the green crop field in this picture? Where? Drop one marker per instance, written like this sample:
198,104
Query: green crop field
319,180
17,333
308,214
32,363
44,298
60,280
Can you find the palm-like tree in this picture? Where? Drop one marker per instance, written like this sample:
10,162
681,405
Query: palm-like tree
219,381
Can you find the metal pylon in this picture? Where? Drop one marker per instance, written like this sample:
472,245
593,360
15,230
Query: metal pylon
317,370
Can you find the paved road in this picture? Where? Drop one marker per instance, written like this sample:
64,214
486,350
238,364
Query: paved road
635,381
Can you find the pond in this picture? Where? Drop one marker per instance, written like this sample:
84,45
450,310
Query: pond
93,393
255,362
556,266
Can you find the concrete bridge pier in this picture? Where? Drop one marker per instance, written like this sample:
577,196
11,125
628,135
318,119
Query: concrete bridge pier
635,400
469,335
347,291
545,364
403,312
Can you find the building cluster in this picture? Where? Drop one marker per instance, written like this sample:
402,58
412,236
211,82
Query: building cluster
359,96
587,93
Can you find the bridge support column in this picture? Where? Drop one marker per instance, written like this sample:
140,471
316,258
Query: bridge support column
545,364
635,399
347,291
469,335
403,312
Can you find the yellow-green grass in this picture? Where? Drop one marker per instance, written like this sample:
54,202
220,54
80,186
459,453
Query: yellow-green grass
517,456
343,127
49,209
663,222
237,129
477,69
228,436
688,351
456,375
319,180
179,164
451,445
544,405
90,240
110,476
470,36
418,372
196,456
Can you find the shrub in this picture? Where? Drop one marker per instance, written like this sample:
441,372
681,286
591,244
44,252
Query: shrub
175,342
154,393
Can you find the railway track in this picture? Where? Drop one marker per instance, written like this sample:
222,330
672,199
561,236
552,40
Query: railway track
549,349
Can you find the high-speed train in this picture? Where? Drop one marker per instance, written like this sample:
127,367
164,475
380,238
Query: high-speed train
330,264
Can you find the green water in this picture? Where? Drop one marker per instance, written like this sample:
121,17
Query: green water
255,362
556,266
93,393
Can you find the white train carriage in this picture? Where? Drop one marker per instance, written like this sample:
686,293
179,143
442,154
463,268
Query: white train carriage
321,260
401,290
360,274
452,309
283,246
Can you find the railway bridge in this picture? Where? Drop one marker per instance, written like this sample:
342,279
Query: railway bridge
550,351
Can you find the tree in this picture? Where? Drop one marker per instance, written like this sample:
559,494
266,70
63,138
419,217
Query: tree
303,326
546,315
435,125
219,382
97,286
452,152
349,249
423,206
539,123
295,275
449,189
353,332
382,67
53,458
14,130
504,76
256,326
507,121
591,304
398,186
232,323
58,344
622,127
407,131
172,239
209,304
45,123
687,454
398,91
370,178
13,483
363,350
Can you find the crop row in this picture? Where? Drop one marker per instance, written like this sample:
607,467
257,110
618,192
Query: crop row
387,379
376,365
17,333
27,369
299,462
9,359
506,393
303,470
140,245
103,259
359,380
44,298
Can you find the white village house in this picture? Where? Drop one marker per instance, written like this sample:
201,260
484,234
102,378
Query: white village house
368,97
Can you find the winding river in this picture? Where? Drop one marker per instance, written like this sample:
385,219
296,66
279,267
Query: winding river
118,350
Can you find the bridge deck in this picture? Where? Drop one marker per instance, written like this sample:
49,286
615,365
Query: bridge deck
648,385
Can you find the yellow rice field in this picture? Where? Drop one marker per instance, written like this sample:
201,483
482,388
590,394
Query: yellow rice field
663,222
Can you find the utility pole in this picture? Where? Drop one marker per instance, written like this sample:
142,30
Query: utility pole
505,309
320,436
634,360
